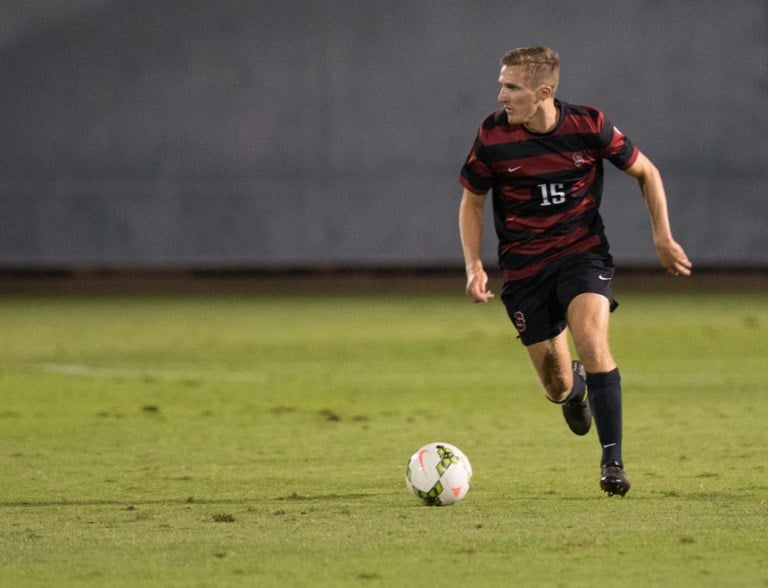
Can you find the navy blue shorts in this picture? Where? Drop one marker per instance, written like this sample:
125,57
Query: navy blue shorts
537,305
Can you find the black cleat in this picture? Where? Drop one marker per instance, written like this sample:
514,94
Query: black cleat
613,480
576,412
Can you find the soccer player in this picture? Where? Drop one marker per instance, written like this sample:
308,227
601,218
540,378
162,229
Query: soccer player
542,159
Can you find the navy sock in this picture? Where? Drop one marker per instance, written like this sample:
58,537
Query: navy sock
605,402
579,388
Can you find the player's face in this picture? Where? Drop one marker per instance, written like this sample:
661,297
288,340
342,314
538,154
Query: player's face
518,99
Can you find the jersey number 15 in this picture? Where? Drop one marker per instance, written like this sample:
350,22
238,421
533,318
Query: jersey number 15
552,194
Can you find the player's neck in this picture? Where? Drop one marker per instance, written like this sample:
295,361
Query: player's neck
546,119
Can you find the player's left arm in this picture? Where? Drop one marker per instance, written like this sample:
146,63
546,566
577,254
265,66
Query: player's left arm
671,254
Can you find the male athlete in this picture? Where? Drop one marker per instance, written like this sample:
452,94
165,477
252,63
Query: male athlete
542,160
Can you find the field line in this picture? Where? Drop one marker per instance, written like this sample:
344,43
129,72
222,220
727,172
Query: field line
695,379
127,373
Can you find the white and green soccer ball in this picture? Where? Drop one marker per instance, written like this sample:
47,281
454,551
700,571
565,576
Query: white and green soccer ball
438,474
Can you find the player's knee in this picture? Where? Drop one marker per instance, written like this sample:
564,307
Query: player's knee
597,360
595,354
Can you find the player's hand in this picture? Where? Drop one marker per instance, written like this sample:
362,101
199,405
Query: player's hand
477,285
673,258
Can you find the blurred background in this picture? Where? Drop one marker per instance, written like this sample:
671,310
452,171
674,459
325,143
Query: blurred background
291,134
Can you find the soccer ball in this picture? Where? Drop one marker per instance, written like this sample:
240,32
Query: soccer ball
438,474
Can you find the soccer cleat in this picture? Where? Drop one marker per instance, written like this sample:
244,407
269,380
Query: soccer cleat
613,480
576,412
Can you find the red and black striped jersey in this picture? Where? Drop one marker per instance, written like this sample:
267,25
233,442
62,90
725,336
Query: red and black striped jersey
546,187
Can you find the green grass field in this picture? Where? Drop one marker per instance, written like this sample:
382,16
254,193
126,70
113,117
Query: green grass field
262,441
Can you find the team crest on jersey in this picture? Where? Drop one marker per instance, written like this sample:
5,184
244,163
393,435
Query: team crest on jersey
578,159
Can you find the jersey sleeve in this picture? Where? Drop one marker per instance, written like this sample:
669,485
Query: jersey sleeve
616,146
476,175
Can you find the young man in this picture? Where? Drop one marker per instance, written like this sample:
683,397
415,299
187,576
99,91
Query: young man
542,160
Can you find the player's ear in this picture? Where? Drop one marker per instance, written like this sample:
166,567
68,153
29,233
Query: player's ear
545,92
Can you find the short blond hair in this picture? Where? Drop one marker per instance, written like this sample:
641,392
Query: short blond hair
542,64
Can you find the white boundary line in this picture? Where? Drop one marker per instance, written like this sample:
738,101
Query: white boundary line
726,378
86,371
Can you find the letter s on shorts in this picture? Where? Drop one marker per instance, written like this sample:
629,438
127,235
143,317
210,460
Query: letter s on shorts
519,320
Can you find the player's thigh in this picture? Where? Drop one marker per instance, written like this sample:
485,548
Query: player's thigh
588,318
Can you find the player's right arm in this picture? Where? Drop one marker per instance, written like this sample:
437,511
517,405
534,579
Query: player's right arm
471,232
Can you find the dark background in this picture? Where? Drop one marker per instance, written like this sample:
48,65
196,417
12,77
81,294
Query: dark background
283,134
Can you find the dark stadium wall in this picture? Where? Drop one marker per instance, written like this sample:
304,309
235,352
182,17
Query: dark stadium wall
278,134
